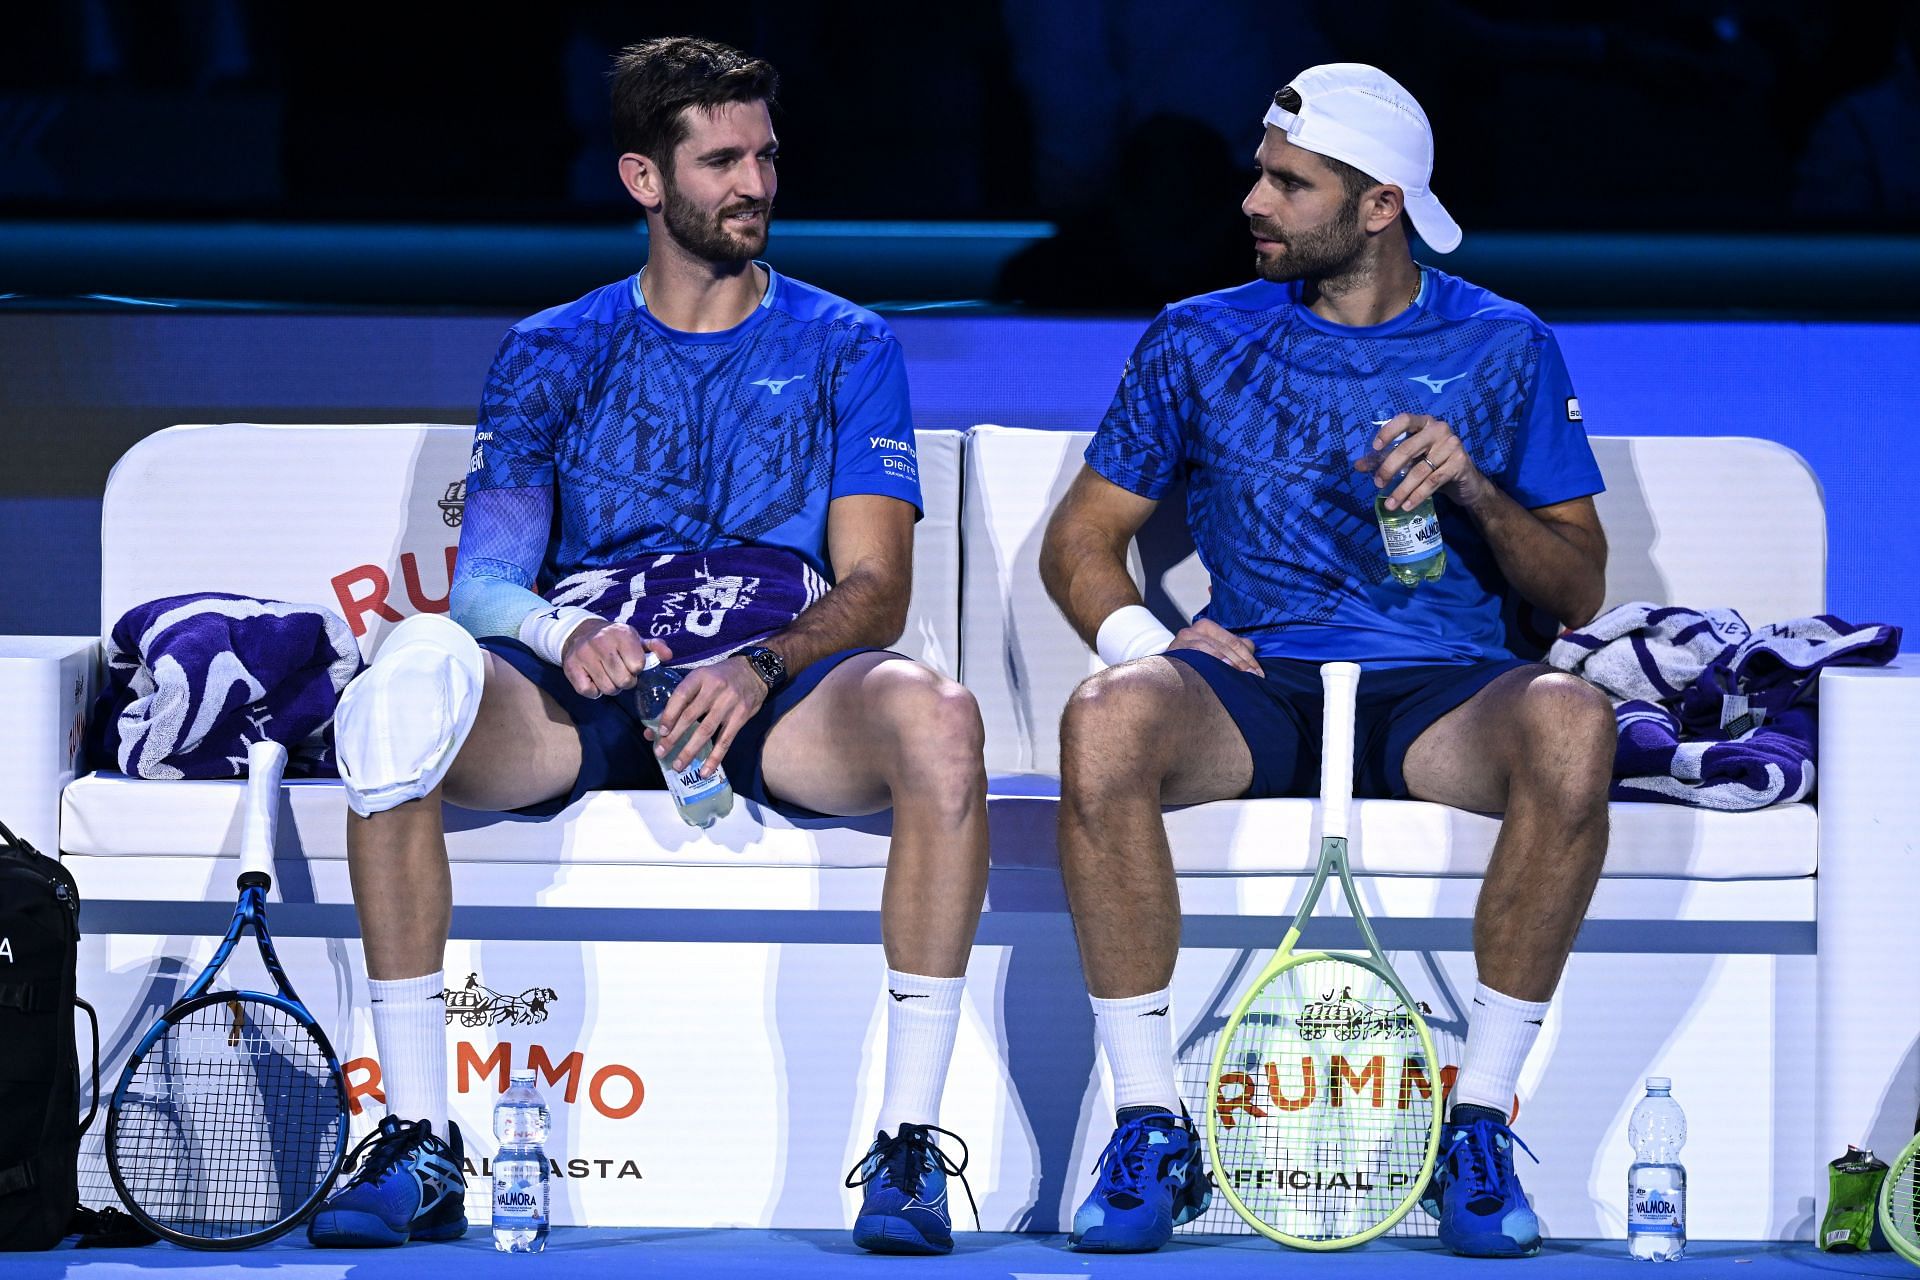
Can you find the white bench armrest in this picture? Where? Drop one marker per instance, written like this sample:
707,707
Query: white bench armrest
46,684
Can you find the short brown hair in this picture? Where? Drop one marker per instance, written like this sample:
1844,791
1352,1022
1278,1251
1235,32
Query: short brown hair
656,80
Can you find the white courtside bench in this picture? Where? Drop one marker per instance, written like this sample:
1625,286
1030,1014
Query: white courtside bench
732,977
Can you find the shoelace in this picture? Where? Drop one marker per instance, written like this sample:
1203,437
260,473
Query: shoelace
904,1158
1480,1174
384,1147
1126,1152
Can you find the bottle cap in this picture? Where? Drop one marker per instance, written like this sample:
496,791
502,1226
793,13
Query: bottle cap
653,660
1659,1082
523,1077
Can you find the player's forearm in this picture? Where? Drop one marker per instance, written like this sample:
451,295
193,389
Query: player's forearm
1086,576
1552,568
866,608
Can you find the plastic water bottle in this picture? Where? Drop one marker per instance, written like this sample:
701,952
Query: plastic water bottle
520,1168
1657,1184
701,801
1415,551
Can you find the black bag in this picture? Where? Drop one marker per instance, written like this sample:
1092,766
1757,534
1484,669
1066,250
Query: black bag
39,1067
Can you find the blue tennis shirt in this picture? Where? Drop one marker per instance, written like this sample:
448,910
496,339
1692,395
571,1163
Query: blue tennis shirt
656,441
1261,406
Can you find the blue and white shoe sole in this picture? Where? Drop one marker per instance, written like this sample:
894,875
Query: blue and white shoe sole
888,1233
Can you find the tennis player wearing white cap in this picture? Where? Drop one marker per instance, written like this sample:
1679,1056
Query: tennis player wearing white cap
1347,371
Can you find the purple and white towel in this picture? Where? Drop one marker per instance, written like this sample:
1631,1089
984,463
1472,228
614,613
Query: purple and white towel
1769,764
703,605
1712,712
193,679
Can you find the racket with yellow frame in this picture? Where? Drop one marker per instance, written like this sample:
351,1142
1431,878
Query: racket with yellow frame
1324,1102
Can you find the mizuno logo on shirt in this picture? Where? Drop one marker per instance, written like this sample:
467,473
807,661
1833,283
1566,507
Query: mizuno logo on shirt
776,385
1433,384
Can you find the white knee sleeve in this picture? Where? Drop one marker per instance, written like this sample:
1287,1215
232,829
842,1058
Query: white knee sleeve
402,720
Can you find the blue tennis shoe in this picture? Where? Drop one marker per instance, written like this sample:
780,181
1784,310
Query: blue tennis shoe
1151,1180
1483,1210
407,1184
905,1208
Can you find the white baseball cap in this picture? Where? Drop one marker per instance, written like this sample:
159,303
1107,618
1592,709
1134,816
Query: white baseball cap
1360,114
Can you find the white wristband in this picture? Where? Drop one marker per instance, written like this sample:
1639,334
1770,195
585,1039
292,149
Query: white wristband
545,631
1129,633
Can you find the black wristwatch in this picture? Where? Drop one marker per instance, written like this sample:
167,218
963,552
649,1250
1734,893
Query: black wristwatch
768,665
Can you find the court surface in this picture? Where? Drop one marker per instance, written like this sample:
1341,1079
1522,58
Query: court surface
628,1252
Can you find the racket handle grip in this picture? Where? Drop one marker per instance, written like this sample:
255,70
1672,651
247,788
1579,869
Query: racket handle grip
1339,686
260,813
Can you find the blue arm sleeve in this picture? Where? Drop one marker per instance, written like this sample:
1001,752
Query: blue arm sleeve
1552,460
503,541
874,450
1138,444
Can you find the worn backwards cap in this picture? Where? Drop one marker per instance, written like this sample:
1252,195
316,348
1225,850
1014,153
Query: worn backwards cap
1360,114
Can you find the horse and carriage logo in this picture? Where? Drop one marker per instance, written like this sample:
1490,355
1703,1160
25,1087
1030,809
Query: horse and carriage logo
1348,1017
477,1005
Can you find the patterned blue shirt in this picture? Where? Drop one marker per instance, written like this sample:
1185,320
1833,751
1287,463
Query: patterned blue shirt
1261,406
658,441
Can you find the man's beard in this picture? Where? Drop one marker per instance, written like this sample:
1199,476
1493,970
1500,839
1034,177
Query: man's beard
707,236
1328,251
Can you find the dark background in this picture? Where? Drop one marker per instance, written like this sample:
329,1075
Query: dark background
1128,125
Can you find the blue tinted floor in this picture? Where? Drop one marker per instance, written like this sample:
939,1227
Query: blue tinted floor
791,1255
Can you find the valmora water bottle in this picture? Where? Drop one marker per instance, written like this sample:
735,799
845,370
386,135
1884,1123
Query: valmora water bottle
1657,1184
701,801
1415,553
520,1168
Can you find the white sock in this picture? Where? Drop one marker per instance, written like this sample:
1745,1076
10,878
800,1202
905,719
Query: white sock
923,1020
1500,1034
410,1037
1137,1035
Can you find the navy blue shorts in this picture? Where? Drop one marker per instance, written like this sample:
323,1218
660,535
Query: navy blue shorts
614,752
1279,717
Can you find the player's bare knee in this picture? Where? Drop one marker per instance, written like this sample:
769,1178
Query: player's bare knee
1118,711
1566,746
941,741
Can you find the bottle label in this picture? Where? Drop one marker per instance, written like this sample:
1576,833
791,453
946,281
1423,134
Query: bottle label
1656,1211
519,1200
1416,539
688,786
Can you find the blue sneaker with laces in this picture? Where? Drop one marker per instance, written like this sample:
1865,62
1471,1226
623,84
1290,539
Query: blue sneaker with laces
1483,1210
1151,1180
407,1184
905,1207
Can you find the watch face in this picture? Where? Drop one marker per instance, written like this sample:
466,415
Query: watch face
768,664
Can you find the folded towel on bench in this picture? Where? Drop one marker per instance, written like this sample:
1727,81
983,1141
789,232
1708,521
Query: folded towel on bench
192,679
1711,712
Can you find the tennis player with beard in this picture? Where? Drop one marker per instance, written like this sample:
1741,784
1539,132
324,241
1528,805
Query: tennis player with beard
1347,371
710,464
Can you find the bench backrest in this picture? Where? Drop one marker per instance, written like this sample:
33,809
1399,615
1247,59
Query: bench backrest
366,519
1695,521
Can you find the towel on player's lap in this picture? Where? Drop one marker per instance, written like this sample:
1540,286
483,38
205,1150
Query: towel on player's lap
1671,672
192,679
703,605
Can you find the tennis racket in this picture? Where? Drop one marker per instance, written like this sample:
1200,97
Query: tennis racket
230,1121
1323,1111
1900,1203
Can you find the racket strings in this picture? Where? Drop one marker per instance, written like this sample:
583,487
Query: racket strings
1326,1102
231,1122
1903,1200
